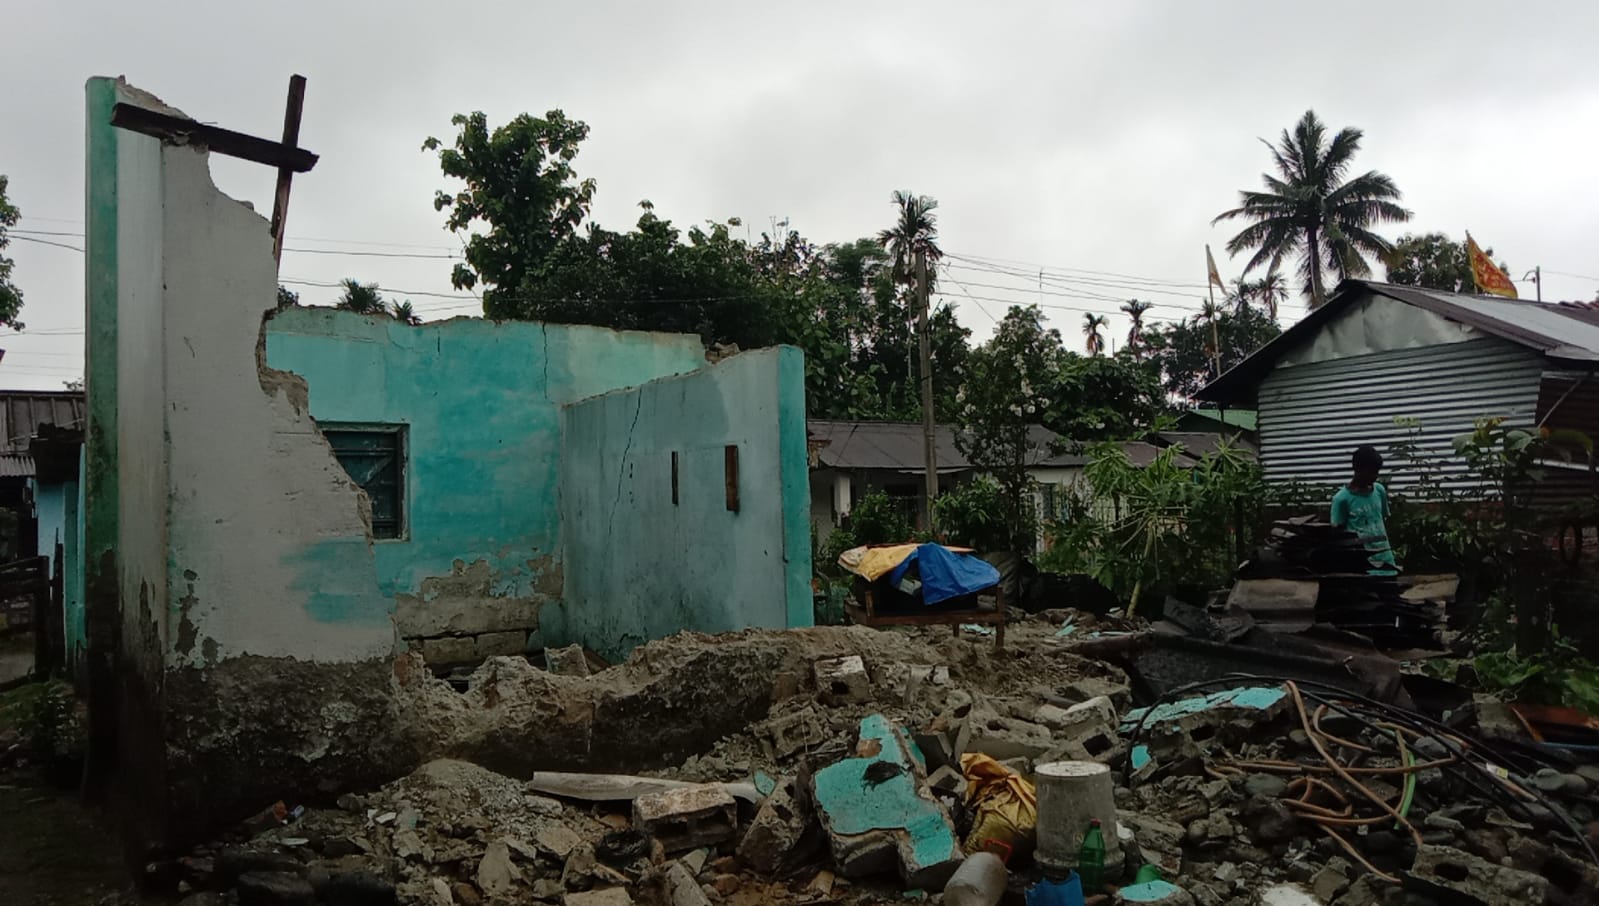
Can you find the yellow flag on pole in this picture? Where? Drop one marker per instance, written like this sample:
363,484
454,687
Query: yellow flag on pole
1489,279
1215,275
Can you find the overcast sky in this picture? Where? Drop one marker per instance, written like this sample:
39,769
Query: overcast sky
1070,137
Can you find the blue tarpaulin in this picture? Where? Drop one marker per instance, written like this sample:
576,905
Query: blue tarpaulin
946,574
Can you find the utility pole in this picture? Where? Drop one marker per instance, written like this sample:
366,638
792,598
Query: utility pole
1215,335
924,340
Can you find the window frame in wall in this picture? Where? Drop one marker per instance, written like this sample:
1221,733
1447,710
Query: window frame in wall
384,528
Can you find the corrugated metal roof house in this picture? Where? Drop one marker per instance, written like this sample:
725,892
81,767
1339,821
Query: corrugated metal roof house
21,414
1376,355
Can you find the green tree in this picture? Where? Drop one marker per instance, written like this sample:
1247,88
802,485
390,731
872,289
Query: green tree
521,200
1265,293
1183,351
10,295
1115,397
1135,311
287,298
1311,210
1094,341
403,312
1008,387
1434,261
361,298
915,231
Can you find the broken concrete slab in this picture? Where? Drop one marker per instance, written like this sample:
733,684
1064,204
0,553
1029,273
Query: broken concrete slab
624,787
782,834
843,680
687,818
879,816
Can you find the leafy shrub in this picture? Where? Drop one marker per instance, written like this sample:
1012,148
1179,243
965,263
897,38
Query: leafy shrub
973,515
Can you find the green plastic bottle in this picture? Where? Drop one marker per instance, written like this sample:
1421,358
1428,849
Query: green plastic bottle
1091,859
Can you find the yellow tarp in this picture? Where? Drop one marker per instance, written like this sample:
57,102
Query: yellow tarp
871,563
1004,808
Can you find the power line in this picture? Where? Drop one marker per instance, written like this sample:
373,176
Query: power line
59,245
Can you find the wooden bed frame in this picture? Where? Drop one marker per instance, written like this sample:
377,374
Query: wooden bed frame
868,615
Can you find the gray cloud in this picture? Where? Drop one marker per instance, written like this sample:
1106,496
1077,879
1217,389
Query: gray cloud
1099,136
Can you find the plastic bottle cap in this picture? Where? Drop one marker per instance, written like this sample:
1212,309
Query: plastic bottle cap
1093,822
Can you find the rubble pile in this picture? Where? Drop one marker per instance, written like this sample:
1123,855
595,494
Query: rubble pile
1350,802
880,770
1331,565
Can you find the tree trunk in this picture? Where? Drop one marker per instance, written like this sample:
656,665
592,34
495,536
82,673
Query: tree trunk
1313,249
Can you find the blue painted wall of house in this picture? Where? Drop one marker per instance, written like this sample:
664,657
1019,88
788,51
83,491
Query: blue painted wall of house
480,401
640,566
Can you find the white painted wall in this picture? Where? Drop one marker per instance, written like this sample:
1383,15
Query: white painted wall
243,483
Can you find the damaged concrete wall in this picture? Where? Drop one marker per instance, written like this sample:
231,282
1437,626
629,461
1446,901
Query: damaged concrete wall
480,552
686,503
206,480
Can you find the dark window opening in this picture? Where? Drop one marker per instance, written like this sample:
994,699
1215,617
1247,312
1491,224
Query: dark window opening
674,478
374,458
730,474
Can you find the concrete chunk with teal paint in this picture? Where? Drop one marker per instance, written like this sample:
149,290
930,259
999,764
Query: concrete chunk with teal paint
1249,698
878,814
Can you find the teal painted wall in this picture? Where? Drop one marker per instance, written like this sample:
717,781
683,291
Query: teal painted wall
640,567
76,632
480,400
50,509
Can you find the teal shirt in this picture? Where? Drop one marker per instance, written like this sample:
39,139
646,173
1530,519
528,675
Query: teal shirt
1364,513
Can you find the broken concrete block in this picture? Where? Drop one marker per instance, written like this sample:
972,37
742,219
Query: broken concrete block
1002,738
501,644
450,650
949,781
878,815
685,890
687,818
843,680
944,741
1450,869
791,733
496,873
568,661
1120,694
610,896
779,835
557,840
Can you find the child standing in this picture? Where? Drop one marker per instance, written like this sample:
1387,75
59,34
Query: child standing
1362,507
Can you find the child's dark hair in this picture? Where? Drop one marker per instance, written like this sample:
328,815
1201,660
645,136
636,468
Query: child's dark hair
1367,457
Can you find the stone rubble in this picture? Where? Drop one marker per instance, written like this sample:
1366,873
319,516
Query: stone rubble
851,735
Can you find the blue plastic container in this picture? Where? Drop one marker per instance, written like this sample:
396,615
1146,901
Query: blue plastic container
1050,892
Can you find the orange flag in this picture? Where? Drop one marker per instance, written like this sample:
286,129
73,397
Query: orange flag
1215,275
1489,279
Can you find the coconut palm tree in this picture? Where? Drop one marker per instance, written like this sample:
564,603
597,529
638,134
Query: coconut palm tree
916,230
1092,325
1267,292
1311,210
362,298
1135,310
404,313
